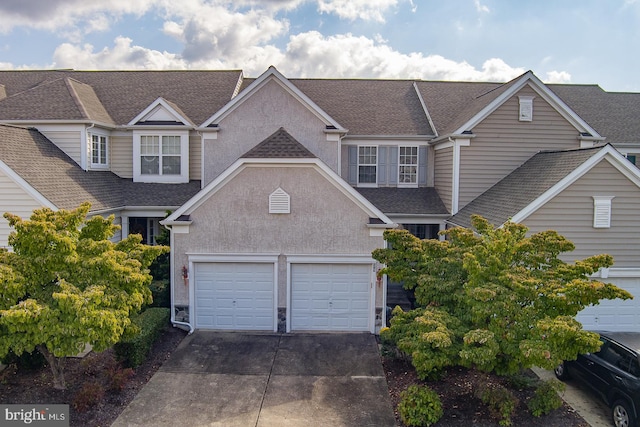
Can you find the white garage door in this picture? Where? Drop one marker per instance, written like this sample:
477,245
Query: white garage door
615,315
330,297
235,296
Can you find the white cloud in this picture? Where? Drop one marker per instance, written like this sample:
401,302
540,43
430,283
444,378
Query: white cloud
481,8
367,10
558,77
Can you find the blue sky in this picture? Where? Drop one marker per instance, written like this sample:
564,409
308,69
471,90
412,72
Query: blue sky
564,41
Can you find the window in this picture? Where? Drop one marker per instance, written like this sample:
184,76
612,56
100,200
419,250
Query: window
98,150
367,165
633,158
159,157
408,166
526,108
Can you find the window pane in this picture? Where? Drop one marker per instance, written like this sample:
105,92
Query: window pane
150,165
408,174
367,155
103,150
171,145
408,155
367,174
149,145
171,165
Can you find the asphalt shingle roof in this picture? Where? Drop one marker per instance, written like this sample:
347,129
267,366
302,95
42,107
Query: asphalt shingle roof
61,181
280,144
410,201
522,186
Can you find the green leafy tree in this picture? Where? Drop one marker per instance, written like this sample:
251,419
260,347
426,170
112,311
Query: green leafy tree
494,299
65,284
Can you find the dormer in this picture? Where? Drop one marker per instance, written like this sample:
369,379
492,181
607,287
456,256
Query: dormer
161,143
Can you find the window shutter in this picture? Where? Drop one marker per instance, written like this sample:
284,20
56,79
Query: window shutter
422,165
353,164
393,165
382,165
279,202
602,211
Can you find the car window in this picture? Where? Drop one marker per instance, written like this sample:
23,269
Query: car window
620,358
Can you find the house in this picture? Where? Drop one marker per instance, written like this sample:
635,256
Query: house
279,188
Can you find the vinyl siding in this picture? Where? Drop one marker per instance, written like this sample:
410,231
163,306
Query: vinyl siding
502,143
69,141
122,155
195,157
443,174
571,214
16,200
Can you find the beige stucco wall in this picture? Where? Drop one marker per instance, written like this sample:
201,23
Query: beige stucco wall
269,108
236,220
502,143
571,214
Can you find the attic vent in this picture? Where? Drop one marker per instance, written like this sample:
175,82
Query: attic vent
602,211
526,108
279,202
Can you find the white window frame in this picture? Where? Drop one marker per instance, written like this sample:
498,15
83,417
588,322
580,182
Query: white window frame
526,108
375,165
183,177
402,184
103,161
602,211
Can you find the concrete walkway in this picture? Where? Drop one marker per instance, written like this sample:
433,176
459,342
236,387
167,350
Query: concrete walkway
586,404
243,379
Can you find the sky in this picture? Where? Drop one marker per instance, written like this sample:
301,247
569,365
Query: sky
561,41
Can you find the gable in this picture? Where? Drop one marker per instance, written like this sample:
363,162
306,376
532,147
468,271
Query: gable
161,112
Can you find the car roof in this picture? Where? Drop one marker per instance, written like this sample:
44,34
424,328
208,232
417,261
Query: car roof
630,340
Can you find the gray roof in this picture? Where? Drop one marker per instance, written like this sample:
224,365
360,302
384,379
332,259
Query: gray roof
123,94
280,144
61,181
408,201
522,186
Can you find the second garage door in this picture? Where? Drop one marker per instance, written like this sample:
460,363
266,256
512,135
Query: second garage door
330,297
234,296
615,315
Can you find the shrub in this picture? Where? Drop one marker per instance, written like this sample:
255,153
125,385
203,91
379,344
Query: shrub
419,406
501,402
521,381
132,351
546,397
118,378
88,396
160,291
27,361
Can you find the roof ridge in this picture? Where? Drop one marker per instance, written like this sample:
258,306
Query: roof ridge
75,96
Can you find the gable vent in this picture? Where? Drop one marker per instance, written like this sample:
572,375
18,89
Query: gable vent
526,108
602,211
279,202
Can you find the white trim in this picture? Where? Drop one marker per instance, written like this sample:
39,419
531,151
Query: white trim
226,176
159,102
100,134
417,165
32,192
542,90
367,184
216,257
455,170
272,74
611,272
602,211
608,153
138,176
525,110
330,259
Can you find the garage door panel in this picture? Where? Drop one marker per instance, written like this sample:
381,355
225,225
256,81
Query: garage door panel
615,315
330,297
234,296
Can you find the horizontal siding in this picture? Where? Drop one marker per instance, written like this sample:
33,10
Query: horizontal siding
502,143
443,174
195,157
68,141
15,200
571,214
122,156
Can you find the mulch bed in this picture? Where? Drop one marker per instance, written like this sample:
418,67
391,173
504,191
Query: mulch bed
461,407
98,388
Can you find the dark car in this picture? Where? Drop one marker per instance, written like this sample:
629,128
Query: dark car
613,373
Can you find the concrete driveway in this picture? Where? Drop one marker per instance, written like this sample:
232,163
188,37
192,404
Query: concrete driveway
244,379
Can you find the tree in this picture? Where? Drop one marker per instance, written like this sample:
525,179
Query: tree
493,299
66,285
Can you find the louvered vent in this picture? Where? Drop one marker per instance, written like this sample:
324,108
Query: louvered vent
602,211
279,202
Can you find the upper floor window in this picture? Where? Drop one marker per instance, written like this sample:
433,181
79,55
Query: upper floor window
408,166
160,157
367,165
98,150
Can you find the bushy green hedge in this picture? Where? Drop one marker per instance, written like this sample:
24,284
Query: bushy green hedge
132,351
160,292
419,406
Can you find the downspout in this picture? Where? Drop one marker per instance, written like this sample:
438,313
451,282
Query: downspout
174,322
